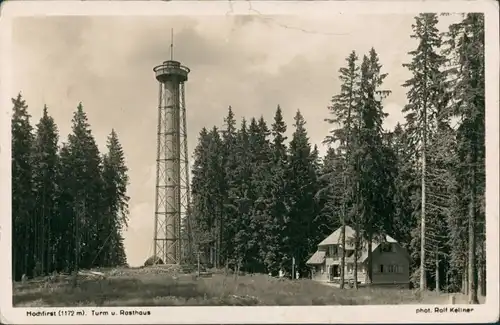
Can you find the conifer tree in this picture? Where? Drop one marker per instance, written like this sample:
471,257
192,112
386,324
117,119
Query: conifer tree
115,199
301,187
276,202
227,185
45,164
330,194
85,189
374,204
202,219
466,40
344,112
424,97
406,186
22,190
242,195
66,220
260,162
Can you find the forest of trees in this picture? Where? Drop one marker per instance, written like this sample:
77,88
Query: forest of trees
260,200
69,203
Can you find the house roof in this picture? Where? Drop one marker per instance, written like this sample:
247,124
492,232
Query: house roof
334,238
317,258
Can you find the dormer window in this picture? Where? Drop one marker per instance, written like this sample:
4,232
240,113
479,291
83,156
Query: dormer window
333,251
387,248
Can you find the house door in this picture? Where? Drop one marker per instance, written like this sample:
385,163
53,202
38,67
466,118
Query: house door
334,272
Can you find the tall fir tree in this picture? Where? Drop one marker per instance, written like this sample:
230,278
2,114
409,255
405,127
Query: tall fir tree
86,188
259,160
202,220
301,187
374,206
425,95
45,170
23,201
466,40
228,184
115,199
344,112
276,202
242,197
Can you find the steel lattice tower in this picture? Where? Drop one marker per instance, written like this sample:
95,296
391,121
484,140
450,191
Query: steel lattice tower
172,170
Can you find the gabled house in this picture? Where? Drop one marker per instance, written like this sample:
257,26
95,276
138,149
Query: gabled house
390,261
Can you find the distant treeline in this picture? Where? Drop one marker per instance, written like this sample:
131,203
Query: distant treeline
69,202
259,200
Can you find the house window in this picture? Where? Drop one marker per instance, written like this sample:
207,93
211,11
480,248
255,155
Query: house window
387,248
395,269
381,268
333,251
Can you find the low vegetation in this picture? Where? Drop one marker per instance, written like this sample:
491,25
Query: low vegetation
133,288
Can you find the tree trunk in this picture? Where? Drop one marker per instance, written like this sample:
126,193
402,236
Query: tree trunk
437,271
423,282
480,278
465,277
482,271
219,240
26,249
14,258
370,264
472,231
49,245
342,259
356,247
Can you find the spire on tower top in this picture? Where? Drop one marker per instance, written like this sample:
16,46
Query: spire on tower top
172,44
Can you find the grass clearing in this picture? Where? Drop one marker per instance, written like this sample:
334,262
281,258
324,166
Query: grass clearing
136,289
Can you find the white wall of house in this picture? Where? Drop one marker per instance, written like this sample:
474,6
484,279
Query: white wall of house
390,266
320,272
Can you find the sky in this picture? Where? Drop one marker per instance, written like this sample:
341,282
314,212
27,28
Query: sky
252,63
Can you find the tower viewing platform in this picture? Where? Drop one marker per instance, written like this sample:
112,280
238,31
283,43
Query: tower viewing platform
171,71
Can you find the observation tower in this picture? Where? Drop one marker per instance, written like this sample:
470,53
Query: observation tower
172,199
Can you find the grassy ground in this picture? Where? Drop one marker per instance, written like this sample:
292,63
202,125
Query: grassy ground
135,289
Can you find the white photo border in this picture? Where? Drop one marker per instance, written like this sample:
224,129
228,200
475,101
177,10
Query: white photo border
487,312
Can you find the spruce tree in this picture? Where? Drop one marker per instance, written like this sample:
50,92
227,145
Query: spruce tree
330,194
466,40
207,189
45,170
406,186
65,235
86,189
424,97
374,199
276,202
202,220
23,200
242,197
228,184
344,113
301,187
260,162
115,200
